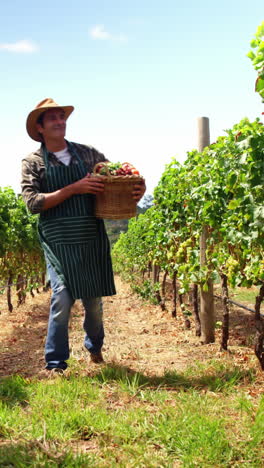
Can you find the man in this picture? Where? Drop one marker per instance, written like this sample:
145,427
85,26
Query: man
57,183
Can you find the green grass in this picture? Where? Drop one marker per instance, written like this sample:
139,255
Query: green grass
199,418
242,294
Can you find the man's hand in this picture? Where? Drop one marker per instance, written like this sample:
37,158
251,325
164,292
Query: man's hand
139,190
88,184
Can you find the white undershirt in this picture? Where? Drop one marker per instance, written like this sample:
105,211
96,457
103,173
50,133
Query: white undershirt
63,156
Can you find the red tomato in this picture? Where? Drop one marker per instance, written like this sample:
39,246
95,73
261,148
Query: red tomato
129,169
126,166
99,167
120,171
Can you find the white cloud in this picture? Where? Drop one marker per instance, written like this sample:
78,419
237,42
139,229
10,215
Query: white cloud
23,46
99,32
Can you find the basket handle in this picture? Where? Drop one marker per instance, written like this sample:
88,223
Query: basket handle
105,165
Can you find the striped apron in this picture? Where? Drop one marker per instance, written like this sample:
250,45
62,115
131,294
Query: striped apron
74,241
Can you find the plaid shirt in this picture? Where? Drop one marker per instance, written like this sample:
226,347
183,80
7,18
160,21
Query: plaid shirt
34,184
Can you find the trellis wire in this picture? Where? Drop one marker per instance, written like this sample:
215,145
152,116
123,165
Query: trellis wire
239,305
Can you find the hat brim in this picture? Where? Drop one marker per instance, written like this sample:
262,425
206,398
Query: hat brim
34,115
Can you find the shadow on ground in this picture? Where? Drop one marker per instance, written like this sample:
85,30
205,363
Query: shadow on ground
216,379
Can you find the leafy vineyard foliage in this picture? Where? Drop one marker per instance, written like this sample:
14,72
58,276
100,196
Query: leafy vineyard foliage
257,57
21,258
221,188
20,252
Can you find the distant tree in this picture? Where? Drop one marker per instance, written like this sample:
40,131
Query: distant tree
116,227
145,203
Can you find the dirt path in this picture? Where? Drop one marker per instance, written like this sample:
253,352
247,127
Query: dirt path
139,336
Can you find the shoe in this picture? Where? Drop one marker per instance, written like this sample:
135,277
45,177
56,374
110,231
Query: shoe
57,367
97,358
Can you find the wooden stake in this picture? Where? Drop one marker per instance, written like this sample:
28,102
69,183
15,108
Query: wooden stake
225,327
8,295
174,295
196,311
259,338
207,313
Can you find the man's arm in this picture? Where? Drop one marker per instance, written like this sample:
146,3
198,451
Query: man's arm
88,184
38,201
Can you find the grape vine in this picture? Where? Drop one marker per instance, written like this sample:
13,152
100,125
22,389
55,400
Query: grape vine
21,258
221,188
256,54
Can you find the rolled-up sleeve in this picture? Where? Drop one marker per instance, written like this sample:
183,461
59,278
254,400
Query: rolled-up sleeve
30,185
33,183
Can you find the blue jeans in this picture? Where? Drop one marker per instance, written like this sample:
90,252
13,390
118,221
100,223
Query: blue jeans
57,342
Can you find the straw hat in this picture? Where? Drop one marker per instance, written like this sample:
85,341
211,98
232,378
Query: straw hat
41,107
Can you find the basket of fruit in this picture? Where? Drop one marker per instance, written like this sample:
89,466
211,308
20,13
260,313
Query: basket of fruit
116,201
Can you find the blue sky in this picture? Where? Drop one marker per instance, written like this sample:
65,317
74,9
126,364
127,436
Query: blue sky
139,74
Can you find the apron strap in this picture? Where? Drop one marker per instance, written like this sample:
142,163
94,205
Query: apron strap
72,151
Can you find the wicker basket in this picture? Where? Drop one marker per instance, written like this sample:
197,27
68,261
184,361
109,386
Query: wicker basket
116,201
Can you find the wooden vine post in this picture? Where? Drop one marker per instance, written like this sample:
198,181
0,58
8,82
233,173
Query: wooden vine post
259,338
207,312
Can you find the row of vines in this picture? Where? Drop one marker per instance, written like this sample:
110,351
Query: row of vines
220,188
22,265
218,194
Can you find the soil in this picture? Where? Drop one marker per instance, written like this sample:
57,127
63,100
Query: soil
138,336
